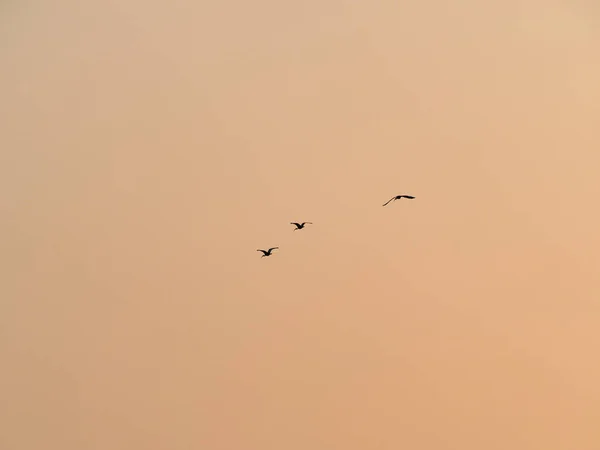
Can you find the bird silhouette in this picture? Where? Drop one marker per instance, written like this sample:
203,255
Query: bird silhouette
299,226
267,252
398,197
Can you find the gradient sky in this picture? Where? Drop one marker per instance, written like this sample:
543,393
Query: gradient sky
149,148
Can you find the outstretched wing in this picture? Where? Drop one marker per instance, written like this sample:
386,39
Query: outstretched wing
295,223
304,223
273,248
393,198
408,196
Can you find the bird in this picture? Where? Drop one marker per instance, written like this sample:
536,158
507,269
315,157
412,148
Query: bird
398,197
299,226
267,252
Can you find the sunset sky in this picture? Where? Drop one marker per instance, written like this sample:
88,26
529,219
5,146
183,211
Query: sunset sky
148,148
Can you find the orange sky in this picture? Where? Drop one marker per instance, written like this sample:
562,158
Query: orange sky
149,148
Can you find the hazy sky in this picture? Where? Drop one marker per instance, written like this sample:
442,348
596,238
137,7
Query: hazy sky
149,148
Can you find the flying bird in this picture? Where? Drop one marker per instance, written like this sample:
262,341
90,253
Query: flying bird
267,252
398,197
299,226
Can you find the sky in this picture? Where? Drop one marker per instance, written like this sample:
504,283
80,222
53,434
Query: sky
149,148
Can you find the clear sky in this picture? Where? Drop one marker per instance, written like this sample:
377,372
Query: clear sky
149,148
